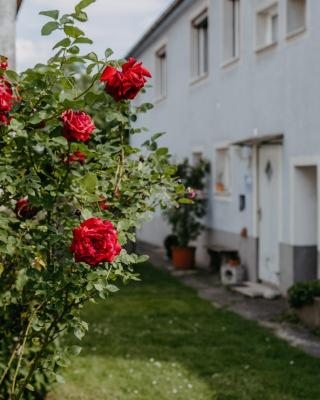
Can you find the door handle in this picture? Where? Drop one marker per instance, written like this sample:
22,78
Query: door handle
259,212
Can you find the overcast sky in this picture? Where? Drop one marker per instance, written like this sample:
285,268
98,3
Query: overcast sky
112,23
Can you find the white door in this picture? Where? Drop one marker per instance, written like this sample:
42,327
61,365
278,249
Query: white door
269,178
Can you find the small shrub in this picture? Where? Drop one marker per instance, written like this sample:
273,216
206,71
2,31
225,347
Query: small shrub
303,293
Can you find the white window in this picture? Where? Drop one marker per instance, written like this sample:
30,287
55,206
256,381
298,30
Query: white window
222,171
200,46
267,27
161,77
296,16
231,29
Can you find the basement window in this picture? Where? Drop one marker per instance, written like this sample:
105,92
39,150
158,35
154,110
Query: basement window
200,46
161,76
267,27
296,16
231,30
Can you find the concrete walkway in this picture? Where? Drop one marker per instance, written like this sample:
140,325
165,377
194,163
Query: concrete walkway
267,313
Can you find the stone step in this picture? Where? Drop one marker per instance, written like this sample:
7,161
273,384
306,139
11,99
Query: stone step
255,290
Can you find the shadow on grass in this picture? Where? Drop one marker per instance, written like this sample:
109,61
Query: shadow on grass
157,340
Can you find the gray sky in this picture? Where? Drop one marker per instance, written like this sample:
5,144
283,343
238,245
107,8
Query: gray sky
112,23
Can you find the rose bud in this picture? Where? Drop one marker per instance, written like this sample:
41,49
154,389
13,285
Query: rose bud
23,210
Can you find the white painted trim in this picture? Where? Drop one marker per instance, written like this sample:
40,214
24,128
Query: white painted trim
255,191
296,162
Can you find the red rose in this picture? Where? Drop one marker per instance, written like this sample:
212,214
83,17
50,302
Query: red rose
23,209
6,96
95,241
77,156
127,83
77,125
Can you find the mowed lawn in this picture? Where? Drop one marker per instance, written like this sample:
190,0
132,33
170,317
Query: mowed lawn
156,340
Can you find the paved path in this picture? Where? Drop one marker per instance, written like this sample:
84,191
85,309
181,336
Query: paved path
267,313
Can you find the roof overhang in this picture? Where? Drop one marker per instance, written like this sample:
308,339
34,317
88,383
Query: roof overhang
273,138
159,26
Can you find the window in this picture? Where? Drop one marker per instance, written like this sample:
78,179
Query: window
200,50
267,27
222,171
161,68
296,16
231,29
197,157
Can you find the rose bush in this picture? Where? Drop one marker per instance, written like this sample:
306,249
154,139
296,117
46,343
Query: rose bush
72,191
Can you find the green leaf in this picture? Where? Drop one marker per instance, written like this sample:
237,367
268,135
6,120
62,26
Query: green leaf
91,56
108,53
112,288
49,27
86,214
74,50
81,16
52,14
99,287
79,333
12,75
83,4
89,182
83,40
185,201
30,387
75,350
63,43
73,31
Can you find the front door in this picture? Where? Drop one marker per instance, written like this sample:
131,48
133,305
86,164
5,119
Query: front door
269,200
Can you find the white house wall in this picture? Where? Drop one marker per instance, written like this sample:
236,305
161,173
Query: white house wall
271,91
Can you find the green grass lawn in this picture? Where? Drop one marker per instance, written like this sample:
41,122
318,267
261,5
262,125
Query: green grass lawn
156,340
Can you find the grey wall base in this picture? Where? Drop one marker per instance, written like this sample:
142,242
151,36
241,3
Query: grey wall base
297,263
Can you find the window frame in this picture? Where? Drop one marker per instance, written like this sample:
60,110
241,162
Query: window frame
161,68
200,45
269,12
302,28
226,194
236,32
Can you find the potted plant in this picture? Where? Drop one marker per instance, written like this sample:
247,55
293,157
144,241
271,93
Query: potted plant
185,219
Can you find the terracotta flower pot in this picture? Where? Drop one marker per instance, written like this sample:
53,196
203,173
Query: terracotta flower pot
183,257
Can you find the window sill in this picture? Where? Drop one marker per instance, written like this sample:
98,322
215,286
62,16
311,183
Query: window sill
266,47
230,62
198,79
222,196
160,99
296,32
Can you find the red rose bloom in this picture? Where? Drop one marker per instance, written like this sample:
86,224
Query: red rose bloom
23,209
77,156
6,96
95,241
127,83
77,125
